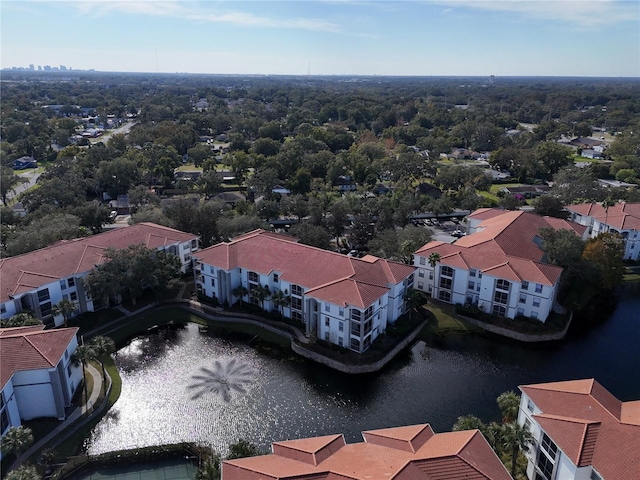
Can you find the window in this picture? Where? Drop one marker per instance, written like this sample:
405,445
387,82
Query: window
472,272
534,314
341,312
327,322
326,336
523,298
66,355
538,288
536,302
520,311
213,282
446,271
71,282
296,290
499,311
444,295
471,285
548,446
253,277
327,307
341,326
45,309
212,270
3,308
4,420
194,244
445,283
421,285
73,296
63,284
423,260
594,476
503,285
276,278
478,287
296,316
296,303
341,341
430,275
355,315
530,405
355,344
421,273
355,329
43,295
500,297
69,370
524,285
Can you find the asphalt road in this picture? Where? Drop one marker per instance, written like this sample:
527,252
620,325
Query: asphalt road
31,175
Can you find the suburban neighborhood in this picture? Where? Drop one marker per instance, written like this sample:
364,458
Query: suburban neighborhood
230,277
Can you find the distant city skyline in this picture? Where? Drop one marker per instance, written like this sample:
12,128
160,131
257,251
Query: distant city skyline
599,38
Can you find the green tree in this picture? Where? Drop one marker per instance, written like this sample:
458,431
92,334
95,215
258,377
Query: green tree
605,252
102,346
22,319
280,300
433,259
309,234
241,449
548,205
261,292
16,441
515,438
468,422
8,182
509,404
64,307
562,247
210,469
414,300
83,355
24,472
240,291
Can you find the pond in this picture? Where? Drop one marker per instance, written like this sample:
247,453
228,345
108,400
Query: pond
187,385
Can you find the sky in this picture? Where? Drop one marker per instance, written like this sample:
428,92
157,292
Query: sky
598,38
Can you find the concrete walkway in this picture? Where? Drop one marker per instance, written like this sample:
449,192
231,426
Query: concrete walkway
72,417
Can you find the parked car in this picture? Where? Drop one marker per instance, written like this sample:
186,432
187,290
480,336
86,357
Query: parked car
458,233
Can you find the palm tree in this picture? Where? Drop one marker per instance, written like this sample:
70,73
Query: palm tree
65,308
24,472
262,293
515,438
210,469
509,404
468,422
433,259
280,300
16,441
22,319
102,346
240,291
414,299
83,355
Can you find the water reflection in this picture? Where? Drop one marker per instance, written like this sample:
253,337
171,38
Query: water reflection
223,379
190,386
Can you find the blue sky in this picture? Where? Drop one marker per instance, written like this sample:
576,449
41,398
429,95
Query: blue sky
332,37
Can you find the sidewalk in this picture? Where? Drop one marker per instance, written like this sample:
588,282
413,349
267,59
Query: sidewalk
75,415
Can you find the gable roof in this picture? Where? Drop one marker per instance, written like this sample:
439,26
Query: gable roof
621,216
402,453
505,245
590,425
32,270
31,348
326,275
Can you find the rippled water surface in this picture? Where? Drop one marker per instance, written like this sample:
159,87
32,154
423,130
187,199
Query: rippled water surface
185,385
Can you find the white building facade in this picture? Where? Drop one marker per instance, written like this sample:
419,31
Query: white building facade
342,300
498,267
38,280
581,432
621,218
39,377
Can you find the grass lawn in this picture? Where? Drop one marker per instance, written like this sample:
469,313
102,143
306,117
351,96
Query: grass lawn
631,274
446,321
490,196
496,187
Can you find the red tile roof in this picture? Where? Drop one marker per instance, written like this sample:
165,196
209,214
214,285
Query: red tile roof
590,425
329,276
503,245
32,270
31,348
621,216
404,453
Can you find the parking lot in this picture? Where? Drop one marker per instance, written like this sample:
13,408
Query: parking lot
444,231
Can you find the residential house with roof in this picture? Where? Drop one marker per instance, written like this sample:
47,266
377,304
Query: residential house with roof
412,452
37,375
581,431
38,280
498,266
622,218
344,300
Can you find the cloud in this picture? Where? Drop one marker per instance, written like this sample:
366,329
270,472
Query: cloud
577,12
202,11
